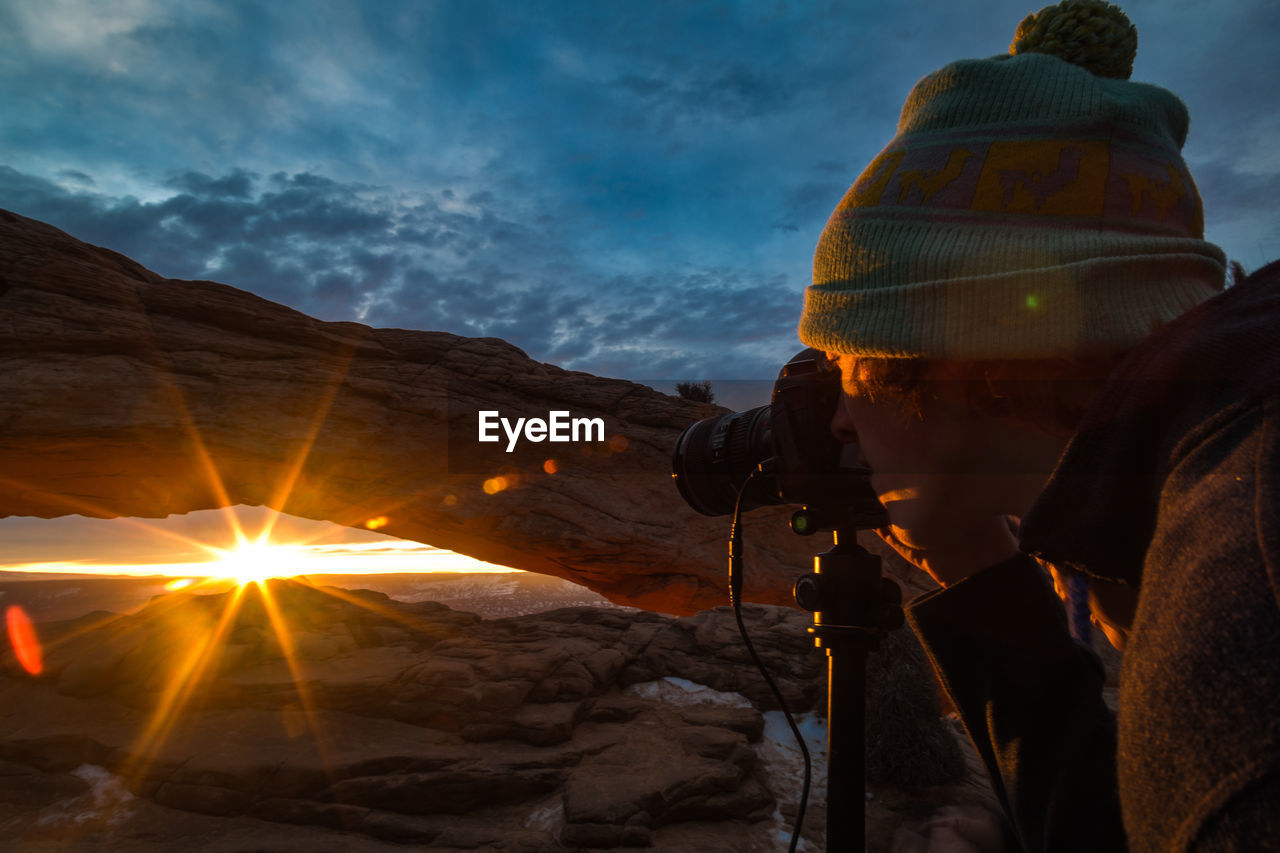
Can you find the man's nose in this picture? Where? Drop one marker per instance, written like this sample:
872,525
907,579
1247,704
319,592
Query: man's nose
842,424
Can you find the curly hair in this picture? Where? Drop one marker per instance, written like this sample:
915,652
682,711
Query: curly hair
1051,394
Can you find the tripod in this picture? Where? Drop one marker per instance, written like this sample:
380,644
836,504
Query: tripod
853,606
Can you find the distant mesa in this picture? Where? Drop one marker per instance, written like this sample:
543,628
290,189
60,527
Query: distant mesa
123,393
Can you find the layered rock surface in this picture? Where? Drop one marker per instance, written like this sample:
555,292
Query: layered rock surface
320,719
123,393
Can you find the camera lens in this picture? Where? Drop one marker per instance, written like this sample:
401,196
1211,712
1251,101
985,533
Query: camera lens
714,456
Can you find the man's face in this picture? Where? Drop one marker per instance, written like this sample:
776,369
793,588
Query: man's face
925,465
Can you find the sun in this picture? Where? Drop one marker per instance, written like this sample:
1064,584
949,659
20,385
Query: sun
254,562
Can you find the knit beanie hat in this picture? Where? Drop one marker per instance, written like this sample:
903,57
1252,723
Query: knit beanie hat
1033,205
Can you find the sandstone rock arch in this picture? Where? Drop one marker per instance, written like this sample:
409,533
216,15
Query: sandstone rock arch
123,393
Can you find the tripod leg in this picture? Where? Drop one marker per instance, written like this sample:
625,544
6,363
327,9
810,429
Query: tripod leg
846,747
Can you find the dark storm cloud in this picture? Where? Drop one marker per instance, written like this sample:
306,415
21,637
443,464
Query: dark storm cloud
235,185
277,241
637,326
76,177
349,251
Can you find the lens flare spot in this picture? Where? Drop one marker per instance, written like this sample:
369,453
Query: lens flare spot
22,636
618,443
493,485
1033,301
450,500
377,522
179,583
550,466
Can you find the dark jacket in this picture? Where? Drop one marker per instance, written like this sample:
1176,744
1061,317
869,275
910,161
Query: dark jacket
1170,485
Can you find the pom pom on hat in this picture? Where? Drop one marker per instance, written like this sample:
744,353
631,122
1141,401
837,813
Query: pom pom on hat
1093,34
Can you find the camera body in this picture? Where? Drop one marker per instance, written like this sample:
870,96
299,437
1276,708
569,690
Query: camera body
790,441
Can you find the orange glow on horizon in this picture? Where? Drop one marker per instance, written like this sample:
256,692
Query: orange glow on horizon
22,636
351,558
295,547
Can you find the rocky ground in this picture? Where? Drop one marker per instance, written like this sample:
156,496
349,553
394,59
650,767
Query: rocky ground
372,724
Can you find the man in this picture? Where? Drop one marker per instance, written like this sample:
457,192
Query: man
1030,325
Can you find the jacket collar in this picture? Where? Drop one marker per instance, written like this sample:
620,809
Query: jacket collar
1098,511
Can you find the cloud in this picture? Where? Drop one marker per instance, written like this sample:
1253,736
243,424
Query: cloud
80,27
77,177
588,181
348,251
235,185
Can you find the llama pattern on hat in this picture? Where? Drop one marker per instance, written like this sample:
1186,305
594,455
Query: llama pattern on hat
1036,187
1077,182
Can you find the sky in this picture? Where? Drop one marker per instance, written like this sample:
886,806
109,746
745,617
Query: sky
633,189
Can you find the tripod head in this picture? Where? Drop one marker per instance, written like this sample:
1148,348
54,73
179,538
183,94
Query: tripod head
850,599
846,593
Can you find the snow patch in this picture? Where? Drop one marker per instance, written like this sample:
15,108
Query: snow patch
683,692
105,802
548,818
782,768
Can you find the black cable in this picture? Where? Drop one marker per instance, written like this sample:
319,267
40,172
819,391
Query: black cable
735,599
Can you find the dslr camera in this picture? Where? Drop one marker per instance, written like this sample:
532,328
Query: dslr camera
790,446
